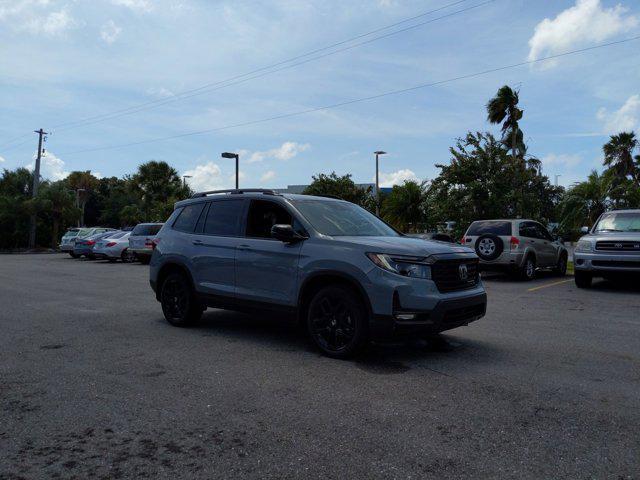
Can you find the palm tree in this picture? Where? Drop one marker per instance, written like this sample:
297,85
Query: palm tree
618,156
503,108
584,202
404,206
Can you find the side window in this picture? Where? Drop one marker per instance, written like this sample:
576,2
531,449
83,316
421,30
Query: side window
188,218
543,233
223,218
263,215
527,229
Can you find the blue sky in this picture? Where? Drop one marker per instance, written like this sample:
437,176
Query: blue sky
67,60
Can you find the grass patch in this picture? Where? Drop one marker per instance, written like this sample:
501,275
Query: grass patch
570,270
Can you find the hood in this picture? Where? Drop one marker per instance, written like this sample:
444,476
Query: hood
612,236
403,245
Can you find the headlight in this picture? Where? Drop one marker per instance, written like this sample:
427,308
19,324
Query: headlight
584,246
415,267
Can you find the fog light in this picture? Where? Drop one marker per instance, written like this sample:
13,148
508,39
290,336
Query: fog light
405,316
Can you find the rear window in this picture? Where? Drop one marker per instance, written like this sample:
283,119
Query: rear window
72,233
490,226
147,229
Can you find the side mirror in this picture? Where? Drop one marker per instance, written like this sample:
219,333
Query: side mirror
286,233
584,230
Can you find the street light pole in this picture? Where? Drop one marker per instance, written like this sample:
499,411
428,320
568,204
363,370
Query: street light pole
184,180
378,153
237,157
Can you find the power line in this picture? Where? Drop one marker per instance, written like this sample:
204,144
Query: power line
358,100
270,69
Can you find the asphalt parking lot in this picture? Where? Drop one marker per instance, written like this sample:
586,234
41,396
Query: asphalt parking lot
95,384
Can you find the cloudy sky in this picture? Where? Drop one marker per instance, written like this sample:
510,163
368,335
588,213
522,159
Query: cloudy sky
100,74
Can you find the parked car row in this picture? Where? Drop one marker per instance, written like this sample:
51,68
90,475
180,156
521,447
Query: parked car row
111,244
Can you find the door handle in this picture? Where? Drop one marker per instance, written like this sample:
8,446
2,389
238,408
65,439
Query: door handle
198,242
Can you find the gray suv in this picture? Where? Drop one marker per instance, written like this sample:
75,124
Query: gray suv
518,246
611,248
341,271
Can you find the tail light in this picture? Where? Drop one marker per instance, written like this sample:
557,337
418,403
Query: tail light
514,243
111,244
155,242
463,240
90,242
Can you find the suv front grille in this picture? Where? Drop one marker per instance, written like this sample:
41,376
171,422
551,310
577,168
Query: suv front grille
613,245
448,275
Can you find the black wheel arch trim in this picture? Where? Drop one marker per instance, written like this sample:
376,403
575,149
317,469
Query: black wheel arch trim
335,273
172,264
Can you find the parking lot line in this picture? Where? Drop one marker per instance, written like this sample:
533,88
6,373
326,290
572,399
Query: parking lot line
549,285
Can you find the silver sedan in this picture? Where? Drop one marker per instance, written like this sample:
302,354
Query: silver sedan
114,247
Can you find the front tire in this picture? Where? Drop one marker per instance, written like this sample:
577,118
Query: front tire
582,279
73,255
561,267
179,303
337,322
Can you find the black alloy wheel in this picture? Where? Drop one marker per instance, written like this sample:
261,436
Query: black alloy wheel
337,322
178,302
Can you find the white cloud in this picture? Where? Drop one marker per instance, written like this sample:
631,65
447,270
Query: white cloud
396,178
2,159
625,119
205,177
110,32
585,23
51,167
286,151
160,92
138,5
562,160
268,176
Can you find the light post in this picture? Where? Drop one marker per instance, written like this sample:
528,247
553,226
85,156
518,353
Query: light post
184,180
558,176
237,157
81,219
378,153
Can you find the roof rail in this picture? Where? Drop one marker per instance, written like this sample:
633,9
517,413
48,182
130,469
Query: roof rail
234,192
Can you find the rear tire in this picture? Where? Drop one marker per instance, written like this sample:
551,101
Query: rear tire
125,256
179,304
144,259
337,322
582,279
528,269
74,255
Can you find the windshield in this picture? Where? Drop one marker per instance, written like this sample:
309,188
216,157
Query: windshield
118,235
342,219
619,222
72,233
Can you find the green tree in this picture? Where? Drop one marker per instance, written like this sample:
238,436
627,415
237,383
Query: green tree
15,193
619,159
342,187
403,207
58,204
481,182
160,187
503,109
584,202
131,215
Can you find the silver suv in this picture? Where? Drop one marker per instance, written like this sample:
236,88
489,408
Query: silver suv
342,272
611,248
518,246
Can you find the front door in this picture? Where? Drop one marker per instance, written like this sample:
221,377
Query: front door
266,268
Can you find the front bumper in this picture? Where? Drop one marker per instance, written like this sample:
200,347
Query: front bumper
599,262
447,314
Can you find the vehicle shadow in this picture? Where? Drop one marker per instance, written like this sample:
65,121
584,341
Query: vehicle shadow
621,285
382,357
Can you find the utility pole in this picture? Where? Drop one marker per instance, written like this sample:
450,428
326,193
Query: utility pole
378,153
36,182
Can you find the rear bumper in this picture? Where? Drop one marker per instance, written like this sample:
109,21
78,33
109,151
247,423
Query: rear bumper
447,314
142,252
506,261
66,247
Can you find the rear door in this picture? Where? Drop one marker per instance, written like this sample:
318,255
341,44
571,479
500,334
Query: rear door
214,250
266,268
